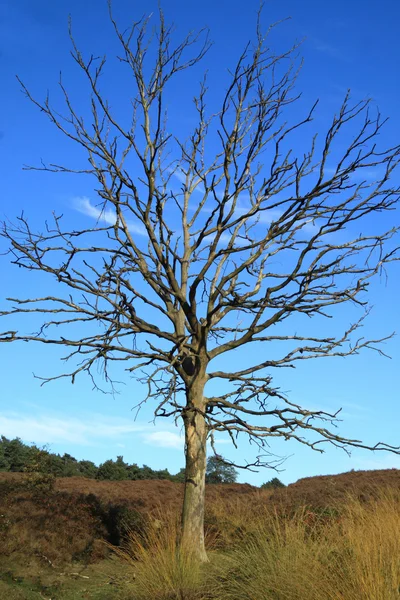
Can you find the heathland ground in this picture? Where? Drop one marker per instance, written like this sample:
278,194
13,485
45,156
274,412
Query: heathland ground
328,537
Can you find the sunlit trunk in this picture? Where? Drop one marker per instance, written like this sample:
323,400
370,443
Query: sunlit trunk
192,540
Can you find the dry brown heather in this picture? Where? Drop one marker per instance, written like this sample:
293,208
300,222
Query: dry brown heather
331,490
73,521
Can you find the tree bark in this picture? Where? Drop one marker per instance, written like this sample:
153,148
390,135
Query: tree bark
192,539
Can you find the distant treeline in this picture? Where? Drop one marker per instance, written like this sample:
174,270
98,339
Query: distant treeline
17,457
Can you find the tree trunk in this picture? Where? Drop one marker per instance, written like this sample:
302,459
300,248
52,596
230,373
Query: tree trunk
192,540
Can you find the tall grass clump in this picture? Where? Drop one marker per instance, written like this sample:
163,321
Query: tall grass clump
342,553
274,562
318,557
371,536
160,571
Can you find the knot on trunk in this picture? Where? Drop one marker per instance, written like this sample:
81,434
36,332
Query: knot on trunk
188,364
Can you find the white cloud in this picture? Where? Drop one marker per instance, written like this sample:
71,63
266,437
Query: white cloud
86,430
47,429
181,177
83,205
168,439
164,439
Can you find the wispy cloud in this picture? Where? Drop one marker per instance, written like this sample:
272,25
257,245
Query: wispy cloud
169,439
264,217
328,49
83,205
181,177
85,430
164,439
48,429
88,429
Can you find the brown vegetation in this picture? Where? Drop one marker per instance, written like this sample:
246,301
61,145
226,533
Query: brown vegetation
72,521
332,490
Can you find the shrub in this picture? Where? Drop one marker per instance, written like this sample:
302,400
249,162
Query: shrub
219,471
273,483
38,475
123,521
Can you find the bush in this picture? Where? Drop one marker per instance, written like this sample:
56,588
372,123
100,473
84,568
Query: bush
113,470
38,476
123,521
219,471
272,484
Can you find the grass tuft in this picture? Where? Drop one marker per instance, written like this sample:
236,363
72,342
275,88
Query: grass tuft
160,571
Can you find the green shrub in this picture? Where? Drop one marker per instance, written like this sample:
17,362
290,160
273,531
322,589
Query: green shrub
38,475
272,484
122,521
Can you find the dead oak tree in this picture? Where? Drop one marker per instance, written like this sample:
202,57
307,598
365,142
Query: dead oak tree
209,244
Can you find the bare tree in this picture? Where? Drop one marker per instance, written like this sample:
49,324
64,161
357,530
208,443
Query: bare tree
209,244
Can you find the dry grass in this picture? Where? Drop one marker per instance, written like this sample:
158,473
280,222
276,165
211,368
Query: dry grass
160,571
372,539
354,556
304,555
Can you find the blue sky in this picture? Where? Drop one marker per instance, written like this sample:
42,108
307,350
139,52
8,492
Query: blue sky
346,45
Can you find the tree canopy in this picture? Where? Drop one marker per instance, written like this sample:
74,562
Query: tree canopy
218,471
273,483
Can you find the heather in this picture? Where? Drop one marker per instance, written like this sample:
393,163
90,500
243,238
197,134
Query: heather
328,537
